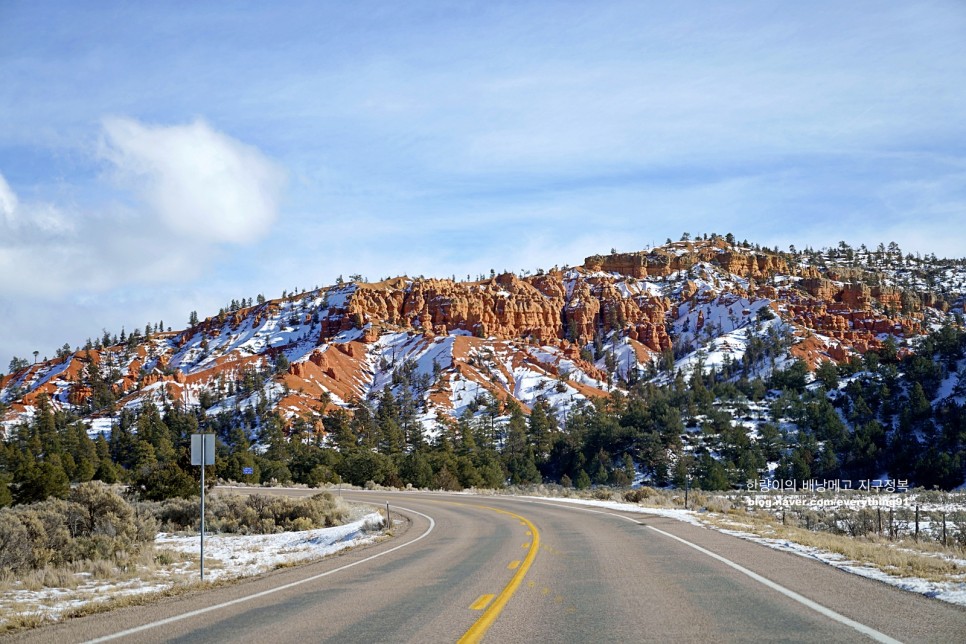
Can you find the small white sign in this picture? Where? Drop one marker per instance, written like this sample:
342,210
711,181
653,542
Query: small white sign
209,448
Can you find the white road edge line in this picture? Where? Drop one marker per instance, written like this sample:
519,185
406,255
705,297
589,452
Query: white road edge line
805,601
791,594
201,611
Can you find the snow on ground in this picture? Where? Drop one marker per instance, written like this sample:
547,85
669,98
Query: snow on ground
688,516
953,387
728,325
51,603
462,393
52,372
246,555
226,557
529,373
622,353
394,350
99,427
338,297
952,592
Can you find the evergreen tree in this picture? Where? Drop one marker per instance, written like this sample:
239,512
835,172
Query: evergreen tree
828,374
540,426
518,453
416,470
29,486
54,478
241,458
338,424
6,496
712,475
151,428
363,425
392,440
106,472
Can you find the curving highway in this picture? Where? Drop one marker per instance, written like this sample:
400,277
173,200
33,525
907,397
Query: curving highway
507,569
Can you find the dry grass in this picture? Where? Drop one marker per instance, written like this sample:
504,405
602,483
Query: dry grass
906,558
35,580
148,567
230,512
23,616
22,620
140,599
172,572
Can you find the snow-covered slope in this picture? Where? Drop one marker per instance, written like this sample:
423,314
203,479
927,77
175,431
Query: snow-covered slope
563,337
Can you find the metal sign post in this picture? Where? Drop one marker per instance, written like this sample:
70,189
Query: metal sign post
202,453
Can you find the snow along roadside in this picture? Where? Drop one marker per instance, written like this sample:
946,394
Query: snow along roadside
227,556
948,591
246,555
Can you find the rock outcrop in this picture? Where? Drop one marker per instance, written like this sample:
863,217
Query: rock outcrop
504,307
543,326
682,256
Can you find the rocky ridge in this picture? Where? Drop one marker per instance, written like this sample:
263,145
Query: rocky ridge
565,335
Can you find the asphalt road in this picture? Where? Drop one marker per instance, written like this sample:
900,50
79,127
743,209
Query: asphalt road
504,569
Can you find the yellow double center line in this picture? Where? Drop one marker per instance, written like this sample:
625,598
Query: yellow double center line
479,628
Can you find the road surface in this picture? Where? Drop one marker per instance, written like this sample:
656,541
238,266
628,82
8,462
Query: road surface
506,569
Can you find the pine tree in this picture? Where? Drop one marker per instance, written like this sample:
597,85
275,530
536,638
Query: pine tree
106,472
151,428
416,470
391,437
339,427
54,477
540,426
6,496
467,441
518,453
46,426
123,442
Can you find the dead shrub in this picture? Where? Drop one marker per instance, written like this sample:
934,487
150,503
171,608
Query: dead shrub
639,495
958,531
255,514
177,514
102,569
59,578
53,536
602,494
16,553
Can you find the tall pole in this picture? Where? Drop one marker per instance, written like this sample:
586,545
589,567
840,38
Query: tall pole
203,460
199,456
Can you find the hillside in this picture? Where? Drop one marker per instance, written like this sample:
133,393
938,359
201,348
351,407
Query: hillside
446,351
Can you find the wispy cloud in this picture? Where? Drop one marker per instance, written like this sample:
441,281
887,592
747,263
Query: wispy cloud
178,197
200,183
8,203
182,192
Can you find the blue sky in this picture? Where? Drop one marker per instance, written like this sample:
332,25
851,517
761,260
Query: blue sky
157,160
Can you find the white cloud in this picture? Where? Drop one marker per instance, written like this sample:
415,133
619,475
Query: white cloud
195,190
8,202
201,183
186,192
